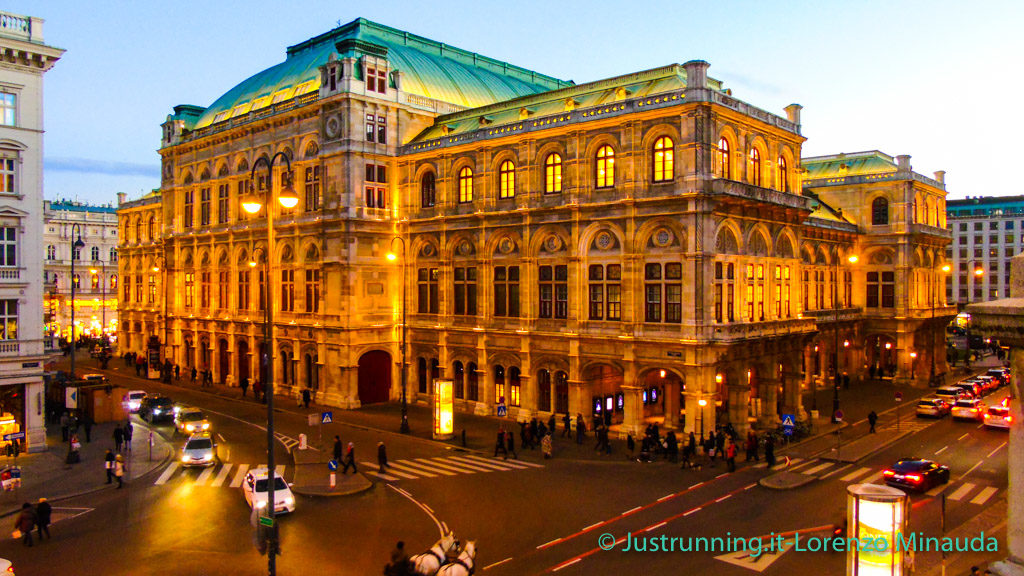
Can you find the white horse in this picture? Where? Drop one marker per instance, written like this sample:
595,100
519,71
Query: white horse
426,564
464,565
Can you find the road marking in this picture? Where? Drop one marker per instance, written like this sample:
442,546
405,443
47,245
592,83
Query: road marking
966,434
239,476
529,464
973,468
726,497
721,475
462,464
816,469
516,464
855,474
873,478
961,491
222,476
998,448
222,440
440,525
941,450
566,564
167,474
422,468
668,497
497,563
395,472
445,466
484,464
205,476
382,476
591,527
406,468
697,485
628,512
557,540
748,487
697,509
837,471
793,468
656,526
984,495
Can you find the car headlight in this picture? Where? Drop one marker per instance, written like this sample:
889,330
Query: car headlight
189,427
261,504
206,426
184,458
289,501
156,410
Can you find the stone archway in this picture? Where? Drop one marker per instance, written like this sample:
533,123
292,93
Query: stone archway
223,361
607,399
880,353
374,377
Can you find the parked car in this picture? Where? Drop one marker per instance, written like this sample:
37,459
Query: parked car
950,393
155,408
1001,374
971,389
189,420
998,417
932,406
199,450
916,474
968,409
133,400
6,567
254,488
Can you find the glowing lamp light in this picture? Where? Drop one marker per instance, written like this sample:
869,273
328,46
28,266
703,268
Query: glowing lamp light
718,378
888,345
93,271
876,512
913,354
391,256
846,343
156,268
251,204
288,198
946,268
444,409
662,373
252,264
979,272
702,402
853,259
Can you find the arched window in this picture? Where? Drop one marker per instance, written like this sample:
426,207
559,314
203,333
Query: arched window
663,159
605,167
879,211
113,254
151,232
499,384
466,184
507,175
472,383
95,282
95,253
51,252
783,175
428,193
755,167
514,389
113,282
553,174
459,379
723,159
138,230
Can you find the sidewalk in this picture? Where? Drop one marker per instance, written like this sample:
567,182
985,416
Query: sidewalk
312,477
45,474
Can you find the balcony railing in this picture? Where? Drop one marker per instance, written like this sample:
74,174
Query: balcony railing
10,273
23,347
16,26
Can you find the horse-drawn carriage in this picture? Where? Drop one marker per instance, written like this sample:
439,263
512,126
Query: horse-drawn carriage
445,558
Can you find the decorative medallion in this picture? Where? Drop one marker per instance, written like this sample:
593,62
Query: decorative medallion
427,251
333,127
506,245
553,243
604,241
662,238
465,248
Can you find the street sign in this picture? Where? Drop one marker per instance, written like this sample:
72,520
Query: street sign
502,410
327,418
899,396
314,419
788,423
332,465
266,521
71,398
14,436
838,416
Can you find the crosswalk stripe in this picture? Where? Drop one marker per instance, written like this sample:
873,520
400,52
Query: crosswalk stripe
510,463
446,466
485,464
167,474
984,495
936,491
239,476
382,476
816,469
793,466
839,470
395,472
530,464
873,478
855,474
428,467
464,464
205,476
222,476
961,491
403,466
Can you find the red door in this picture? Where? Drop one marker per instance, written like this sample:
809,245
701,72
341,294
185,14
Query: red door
374,377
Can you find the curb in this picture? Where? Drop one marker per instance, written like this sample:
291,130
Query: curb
797,478
301,492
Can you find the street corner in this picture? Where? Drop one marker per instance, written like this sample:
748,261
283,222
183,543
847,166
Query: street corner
786,480
314,480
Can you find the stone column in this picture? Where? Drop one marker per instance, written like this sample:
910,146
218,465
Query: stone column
671,404
633,406
769,390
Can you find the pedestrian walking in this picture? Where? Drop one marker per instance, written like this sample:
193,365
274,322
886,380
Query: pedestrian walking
499,444
545,446
118,438
108,464
510,444
730,456
65,422
244,385
566,425
581,428
551,424
720,444
630,445
119,470
769,451
128,431
337,449
872,419
177,372
672,446
43,512
382,456
193,374
87,424
305,397
350,459
25,523
709,448
73,447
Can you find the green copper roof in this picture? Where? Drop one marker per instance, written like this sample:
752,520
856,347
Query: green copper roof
855,164
427,68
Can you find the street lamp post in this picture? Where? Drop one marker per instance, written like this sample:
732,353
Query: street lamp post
835,302
75,245
161,269
404,428
252,205
102,272
702,403
913,361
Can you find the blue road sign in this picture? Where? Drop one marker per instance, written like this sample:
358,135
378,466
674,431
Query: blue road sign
14,436
788,423
326,417
502,410
332,465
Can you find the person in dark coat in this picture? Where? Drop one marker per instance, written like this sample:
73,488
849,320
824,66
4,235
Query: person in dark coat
305,397
177,372
581,428
382,456
350,459
399,565
26,522
244,385
499,444
118,438
672,446
872,419
337,449
769,450
510,443
43,511
567,424
87,424
194,374
128,431
108,463
551,424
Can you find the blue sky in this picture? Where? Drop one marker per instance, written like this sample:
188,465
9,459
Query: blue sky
937,80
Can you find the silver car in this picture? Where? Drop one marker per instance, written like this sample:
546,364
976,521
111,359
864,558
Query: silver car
199,450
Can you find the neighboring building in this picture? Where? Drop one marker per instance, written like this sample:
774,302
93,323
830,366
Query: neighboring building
22,350
95,268
627,247
987,232
142,295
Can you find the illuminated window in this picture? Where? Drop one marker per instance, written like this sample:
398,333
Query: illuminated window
428,191
605,167
723,159
553,174
605,291
499,383
787,283
755,167
151,290
507,174
514,386
663,159
8,319
465,291
426,290
879,211
190,288
553,291
190,196
287,290
243,290
113,283
312,290
506,291
8,109
466,184
783,175
8,168
95,282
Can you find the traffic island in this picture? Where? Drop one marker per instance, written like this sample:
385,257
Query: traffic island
313,477
786,480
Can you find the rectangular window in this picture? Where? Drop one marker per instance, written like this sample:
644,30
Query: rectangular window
312,188
151,292
673,292
426,291
287,290
241,191
786,289
376,79
652,293
605,291
128,288
223,289
506,291
190,288
7,171
376,194
204,207
8,319
749,292
222,204
888,289
204,289
8,247
371,127
138,288
376,129
777,293
465,291
190,197
719,291
243,290
871,295
553,292
8,109
313,290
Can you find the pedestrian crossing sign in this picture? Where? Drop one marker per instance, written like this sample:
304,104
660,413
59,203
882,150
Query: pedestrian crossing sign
502,410
787,421
327,418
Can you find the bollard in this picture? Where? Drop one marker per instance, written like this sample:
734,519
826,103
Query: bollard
463,437
334,480
151,446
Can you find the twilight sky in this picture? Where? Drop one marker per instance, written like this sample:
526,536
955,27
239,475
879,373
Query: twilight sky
908,77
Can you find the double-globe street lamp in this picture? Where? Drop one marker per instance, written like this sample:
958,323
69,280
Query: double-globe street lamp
76,245
393,256
852,259
252,205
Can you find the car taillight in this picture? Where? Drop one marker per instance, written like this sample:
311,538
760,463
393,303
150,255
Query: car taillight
974,409
1009,419
987,416
913,477
888,473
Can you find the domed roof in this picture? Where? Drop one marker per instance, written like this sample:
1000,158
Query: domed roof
428,68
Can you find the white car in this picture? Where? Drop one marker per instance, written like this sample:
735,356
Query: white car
190,421
969,409
998,417
255,490
932,406
6,567
132,400
199,450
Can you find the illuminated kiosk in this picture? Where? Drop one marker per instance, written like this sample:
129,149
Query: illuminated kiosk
444,409
1003,320
875,512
